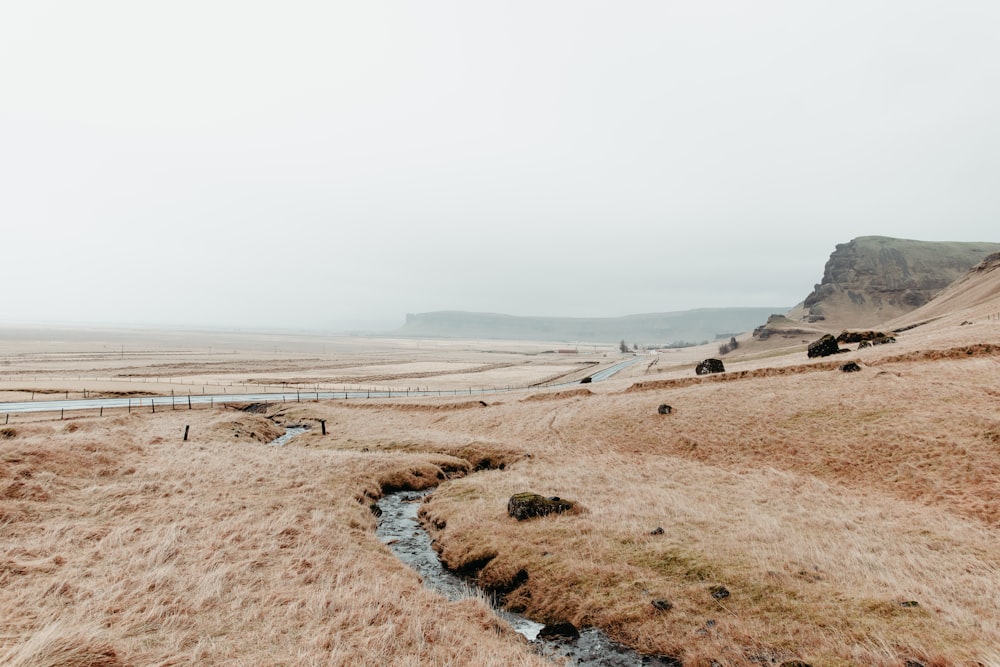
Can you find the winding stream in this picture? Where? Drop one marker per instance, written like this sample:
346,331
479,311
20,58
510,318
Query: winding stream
401,531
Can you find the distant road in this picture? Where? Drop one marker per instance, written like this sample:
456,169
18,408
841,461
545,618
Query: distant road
175,402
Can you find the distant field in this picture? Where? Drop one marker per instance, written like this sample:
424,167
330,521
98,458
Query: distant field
852,517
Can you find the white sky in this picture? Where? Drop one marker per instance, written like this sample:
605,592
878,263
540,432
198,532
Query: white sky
328,164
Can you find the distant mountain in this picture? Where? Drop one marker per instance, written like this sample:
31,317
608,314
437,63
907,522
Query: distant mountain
693,326
873,279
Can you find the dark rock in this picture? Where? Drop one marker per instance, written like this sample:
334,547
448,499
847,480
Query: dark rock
795,663
914,663
559,629
850,367
483,403
375,509
909,604
858,336
710,366
664,409
823,347
883,340
663,605
863,344
719,592
523,506
587,380
656,531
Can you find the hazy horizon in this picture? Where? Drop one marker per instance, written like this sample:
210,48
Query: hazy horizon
332,166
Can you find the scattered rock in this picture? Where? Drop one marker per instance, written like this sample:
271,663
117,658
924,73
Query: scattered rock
795,663
850,367
823,347
884,340
559,629
710,366
587,380
909,604
914,663
863,344
965,323
527,505
719,592
656,531
664,409
663,605
859,336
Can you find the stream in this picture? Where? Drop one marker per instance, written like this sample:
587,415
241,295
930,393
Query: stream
401,531
290,432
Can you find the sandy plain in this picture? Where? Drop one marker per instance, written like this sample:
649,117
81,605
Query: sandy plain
852,517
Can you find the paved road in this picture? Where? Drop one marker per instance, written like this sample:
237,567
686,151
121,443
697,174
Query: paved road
176,402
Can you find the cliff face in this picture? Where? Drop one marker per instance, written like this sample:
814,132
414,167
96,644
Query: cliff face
873,279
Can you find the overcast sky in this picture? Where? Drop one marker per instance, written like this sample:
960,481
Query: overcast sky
339,164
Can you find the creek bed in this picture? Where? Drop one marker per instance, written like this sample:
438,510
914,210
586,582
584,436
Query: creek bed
400,529
290,432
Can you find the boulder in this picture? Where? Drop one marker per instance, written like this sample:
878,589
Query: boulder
719,592
850,367
883,340
559,629
823,347
664,409
710,366
859,336
527,505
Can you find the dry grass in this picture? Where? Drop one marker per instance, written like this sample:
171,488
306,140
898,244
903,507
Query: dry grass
123,545
821,500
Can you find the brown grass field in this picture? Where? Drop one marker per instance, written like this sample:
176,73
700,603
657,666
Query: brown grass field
853,517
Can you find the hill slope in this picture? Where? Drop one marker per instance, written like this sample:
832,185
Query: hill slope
654,328
874,279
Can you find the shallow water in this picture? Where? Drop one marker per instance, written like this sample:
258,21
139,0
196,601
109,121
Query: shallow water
401,531
289,433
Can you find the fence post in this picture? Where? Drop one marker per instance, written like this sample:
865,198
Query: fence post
186,427
322,425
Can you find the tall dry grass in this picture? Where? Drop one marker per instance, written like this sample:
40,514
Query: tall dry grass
823,501
123,545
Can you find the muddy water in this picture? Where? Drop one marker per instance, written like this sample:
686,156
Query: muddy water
401,531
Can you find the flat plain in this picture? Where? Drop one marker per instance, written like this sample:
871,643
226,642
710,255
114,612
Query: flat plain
852,518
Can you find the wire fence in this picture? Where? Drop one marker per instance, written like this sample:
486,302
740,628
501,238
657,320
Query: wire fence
98,401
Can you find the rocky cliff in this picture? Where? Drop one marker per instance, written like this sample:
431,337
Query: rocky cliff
873,279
